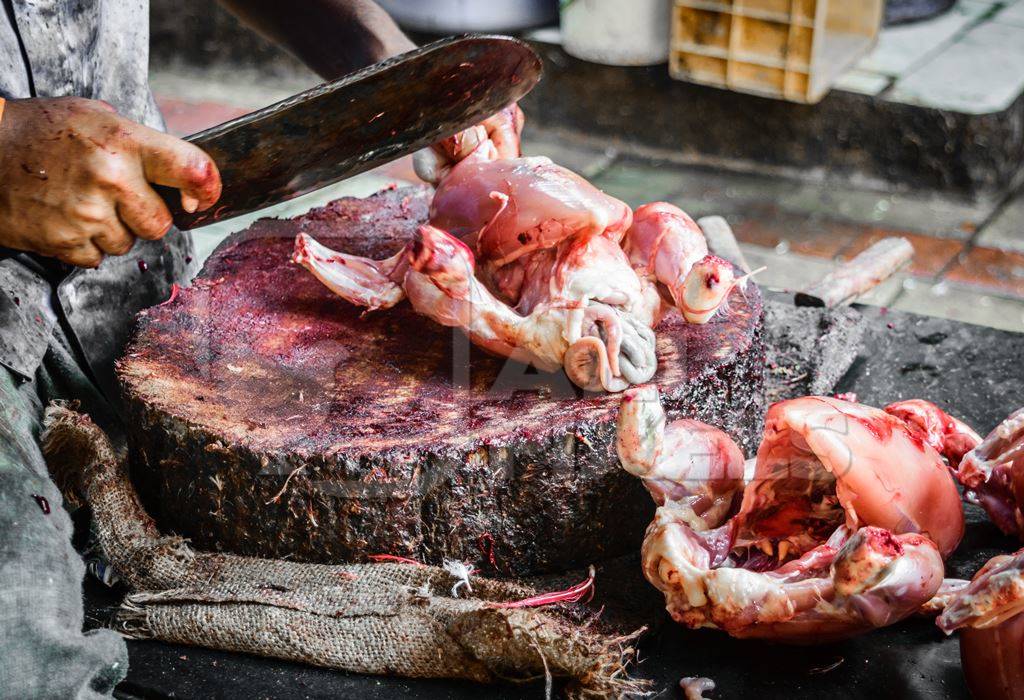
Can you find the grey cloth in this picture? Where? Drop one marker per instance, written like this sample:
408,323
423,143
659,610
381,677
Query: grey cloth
60,332
97,49
43,650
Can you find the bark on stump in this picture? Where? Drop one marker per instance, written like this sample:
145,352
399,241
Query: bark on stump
266,417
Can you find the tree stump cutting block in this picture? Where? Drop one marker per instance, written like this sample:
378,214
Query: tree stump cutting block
268,417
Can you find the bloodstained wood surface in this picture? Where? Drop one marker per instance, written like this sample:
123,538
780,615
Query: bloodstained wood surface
268,417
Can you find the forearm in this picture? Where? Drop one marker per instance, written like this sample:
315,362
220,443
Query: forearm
333,37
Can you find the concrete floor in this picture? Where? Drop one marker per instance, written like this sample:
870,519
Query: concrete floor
969,262
963,271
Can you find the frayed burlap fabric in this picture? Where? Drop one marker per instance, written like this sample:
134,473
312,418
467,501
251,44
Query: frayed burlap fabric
382,618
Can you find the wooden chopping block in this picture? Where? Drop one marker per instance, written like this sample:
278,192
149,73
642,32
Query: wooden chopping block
268,417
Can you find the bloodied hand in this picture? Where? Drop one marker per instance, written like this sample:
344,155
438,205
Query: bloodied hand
76,179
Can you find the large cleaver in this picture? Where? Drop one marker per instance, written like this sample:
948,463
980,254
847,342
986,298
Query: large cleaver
363,120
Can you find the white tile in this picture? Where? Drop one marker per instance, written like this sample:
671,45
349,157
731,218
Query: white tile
900,48
1012,14
952,301
862,82
545,35
785,272
1006,230
982,73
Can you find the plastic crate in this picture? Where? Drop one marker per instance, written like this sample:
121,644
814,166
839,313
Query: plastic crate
788,49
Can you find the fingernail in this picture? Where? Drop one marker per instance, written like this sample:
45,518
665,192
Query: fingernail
189,203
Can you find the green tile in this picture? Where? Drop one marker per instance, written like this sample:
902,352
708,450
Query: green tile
701,192
238,86
584,159
637,183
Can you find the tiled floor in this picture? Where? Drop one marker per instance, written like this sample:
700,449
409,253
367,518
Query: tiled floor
964,268
969,261
968,60
949,277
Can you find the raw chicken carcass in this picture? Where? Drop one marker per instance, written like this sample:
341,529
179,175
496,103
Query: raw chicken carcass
988,613
511,207
988,610
684,462
498,134
842,528
993,474
534,263
991,470
951,437
667,246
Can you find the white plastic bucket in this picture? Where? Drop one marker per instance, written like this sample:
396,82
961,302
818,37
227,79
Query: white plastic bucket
617,32
458,16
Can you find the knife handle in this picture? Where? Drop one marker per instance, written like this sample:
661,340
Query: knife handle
859,275
183,220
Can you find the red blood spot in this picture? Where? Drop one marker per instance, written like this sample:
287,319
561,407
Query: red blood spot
44,504
880,427
205,172
485,543
918,438
188,259
175,289
883,541
143,265
17,301
99,144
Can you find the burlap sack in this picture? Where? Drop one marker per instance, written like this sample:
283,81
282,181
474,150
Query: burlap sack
383,618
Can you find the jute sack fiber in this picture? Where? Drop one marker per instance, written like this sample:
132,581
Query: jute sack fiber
383,618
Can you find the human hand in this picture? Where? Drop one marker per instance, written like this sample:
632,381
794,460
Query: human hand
75,179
